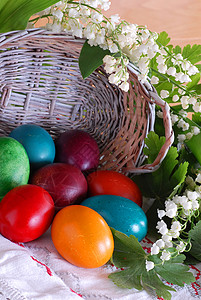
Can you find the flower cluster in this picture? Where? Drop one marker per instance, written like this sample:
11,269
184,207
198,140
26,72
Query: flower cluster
181,209
178,120
84,19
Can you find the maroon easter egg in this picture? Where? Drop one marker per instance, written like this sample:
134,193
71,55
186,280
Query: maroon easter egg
78,148
65,183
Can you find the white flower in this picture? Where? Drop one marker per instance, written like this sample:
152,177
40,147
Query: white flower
171,209
181,247
181,138
165,255
176,226
197,107
166,237
124,86
193,70
161,213
185,65
189,135
171,71
192,195
149,265
160,114
154,80
114,78
198,178
175,98
155,249
164,94
192,100
185,78
184,102
174,118
183,200
187,205
96,17
115,18
195,205
160,243
162,227
195,130
160,59
58,14
73,13
162,68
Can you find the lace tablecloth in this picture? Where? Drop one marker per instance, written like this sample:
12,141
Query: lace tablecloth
35,270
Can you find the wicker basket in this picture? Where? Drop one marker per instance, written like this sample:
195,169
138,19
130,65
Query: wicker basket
40,83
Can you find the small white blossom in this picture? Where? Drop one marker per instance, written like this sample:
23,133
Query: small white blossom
197,107
181,138
187,205
193,70
192,195
162,68
155,249
167,237
171,209
165,255
124,86
164,94
171,71
175,98
161,213
174,118
195,130
154,80
192,100
160,114
162,227
181,247
176,226
198,178
189,135
184,102
149,265
195,205
160,243
160,59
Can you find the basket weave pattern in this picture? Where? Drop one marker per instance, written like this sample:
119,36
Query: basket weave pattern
40,83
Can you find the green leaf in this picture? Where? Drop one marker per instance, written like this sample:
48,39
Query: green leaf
91,57
173,270
195,235
163,38
193,54
194,145
14,15
170,175
196,117
194,81
177,49
129,254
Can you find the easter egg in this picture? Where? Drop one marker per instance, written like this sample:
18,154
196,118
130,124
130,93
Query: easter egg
82,236
120,213
105,182
14,165
37,142
65,183
26,212
77,147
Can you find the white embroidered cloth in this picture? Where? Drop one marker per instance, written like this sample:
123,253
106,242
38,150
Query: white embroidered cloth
35,270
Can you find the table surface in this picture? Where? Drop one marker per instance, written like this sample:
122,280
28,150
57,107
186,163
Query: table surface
181,19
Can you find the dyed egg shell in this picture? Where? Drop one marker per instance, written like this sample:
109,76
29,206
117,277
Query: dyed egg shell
82,236
78,148
37,142
106,182
14,165
65,183
120,213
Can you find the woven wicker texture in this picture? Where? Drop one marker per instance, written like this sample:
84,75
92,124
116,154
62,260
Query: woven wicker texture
40,83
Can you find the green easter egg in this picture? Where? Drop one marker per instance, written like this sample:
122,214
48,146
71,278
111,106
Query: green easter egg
14,165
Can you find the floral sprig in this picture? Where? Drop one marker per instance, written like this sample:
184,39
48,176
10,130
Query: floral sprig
183,211
125,41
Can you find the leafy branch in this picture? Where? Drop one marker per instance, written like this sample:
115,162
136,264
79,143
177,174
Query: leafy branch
129,254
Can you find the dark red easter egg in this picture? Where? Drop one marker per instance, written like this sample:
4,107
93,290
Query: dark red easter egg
65,183
77,147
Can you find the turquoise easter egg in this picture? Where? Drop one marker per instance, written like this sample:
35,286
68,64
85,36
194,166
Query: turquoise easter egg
14,165
120,213
37,142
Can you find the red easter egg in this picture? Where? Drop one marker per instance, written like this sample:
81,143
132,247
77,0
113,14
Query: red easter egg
65,183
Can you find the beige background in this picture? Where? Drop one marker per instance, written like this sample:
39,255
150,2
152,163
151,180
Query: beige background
181,19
